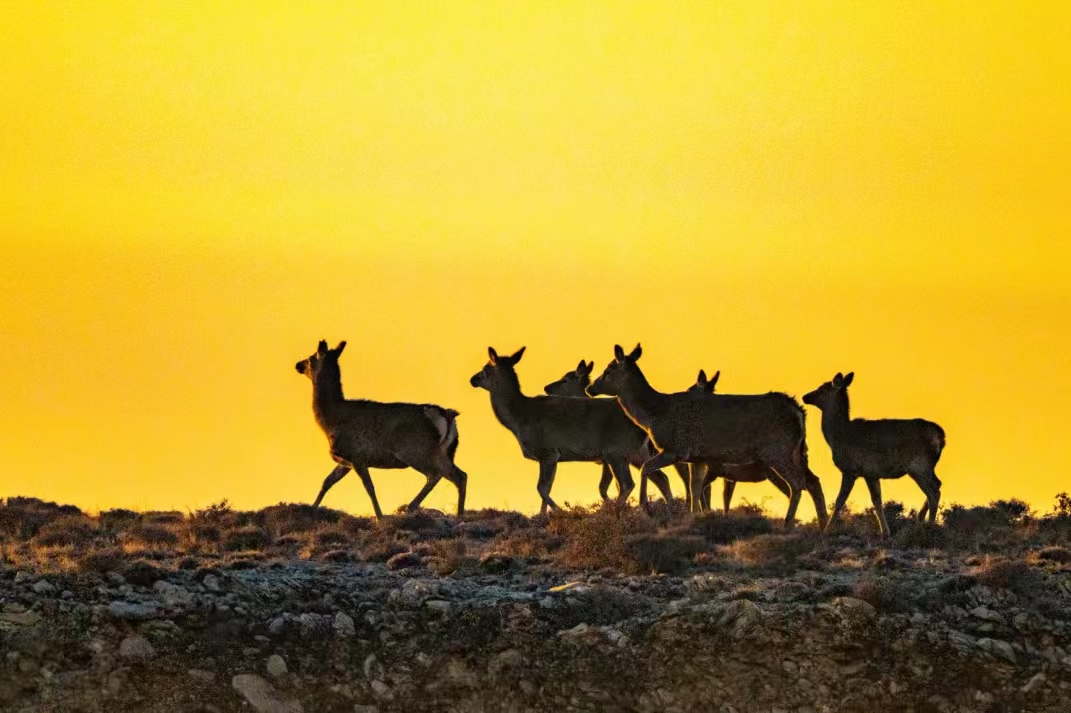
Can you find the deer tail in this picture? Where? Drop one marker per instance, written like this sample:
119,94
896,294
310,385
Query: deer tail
445,422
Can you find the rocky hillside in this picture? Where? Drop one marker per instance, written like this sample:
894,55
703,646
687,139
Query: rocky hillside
287,610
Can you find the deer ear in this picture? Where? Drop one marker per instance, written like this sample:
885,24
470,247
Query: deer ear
702,378
714,380
619,353
591,367
341,345
848,379
321,348
517,355
635,353
581,366
492,355
838,380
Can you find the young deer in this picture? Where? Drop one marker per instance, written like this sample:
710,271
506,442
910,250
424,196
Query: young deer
876,450
553,429
369,434
713,429
573,384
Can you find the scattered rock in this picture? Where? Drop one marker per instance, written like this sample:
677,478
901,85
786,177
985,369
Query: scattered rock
131,611
344,626
276,666
262,696
43,587
136,648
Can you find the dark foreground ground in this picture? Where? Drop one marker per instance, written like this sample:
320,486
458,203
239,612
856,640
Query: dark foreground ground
287,610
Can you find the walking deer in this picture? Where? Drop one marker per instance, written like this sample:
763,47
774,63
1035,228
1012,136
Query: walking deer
876,450
574,384
714,429
554,429
734,473
369,434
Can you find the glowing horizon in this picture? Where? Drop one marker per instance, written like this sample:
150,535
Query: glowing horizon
195,195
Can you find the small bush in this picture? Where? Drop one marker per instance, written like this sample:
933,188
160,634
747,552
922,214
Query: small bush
721,529
920,535
1002,573
249,537
142,573
883,593
67,531
594,539
117,519
331,537
771,551
1055,553
163,517
287,518
663,552
152,535
102,561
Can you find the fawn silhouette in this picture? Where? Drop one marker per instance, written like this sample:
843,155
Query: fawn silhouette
369,434
714,430
877,450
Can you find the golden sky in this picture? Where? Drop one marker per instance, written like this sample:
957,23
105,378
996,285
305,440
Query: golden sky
193,194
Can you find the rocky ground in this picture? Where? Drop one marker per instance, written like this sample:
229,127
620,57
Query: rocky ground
288,610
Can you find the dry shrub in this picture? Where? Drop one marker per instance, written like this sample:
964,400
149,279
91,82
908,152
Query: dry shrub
771,551
331,537
163,517
667,552
451,557
68,531
244,538
533,543
921,535
142,572
101,561
288,518
1003,573
151,535
883,593
117,519
719,528
597,538
22,518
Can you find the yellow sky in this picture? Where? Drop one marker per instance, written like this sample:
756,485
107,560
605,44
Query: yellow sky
194,194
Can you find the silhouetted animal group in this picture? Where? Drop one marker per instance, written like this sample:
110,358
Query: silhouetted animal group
702,434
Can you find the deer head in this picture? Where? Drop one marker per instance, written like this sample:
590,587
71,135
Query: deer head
701,384
574,383
617,373
323,358
497,369
830,392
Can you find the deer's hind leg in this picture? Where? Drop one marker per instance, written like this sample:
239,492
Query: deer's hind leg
874,485
460,480
656,462
333,477
604,482
847,482
625,484
930,484
727,494
366,479
661,481
547,470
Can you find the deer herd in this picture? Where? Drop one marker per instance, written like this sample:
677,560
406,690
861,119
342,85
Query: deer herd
703,435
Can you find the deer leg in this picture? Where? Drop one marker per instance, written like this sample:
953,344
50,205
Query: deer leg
701,475
874,485
333,477
366,479
930,484
655,462
661,482
547,469
685,473
623,475
460,480
846,483
814,487
604,482
727,495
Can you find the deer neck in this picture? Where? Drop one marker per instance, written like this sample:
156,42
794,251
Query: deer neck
835,420
641,402
508,402
326,398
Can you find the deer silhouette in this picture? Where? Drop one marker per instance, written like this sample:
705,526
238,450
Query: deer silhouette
877,450
369,434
